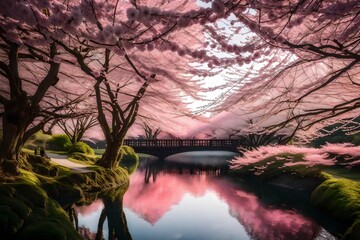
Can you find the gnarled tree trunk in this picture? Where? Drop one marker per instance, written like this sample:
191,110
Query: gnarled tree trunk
19,114
112,155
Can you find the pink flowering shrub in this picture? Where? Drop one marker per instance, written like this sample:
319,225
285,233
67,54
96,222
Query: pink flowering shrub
330,154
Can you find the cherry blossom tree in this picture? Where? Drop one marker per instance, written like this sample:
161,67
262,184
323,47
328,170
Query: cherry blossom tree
344,154
30,96
280,57
122,47
298,62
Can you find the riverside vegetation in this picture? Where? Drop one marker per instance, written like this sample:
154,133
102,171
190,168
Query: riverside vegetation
28,209
29,203
335,189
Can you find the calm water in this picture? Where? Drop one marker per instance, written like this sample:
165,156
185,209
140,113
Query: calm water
188,197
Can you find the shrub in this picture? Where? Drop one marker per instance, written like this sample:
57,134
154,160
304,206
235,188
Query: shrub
129,160
59,142
81,147
37,139
356,139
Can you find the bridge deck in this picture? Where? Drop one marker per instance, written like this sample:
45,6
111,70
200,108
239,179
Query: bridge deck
166,147
163,143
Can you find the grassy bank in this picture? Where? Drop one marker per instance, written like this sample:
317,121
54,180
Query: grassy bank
27,212
28,209
337,193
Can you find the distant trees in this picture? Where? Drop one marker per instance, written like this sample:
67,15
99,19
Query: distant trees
150,133
75,127
255,140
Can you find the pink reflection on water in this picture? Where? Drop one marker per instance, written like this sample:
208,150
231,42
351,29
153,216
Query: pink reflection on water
264,222
90,209
153,200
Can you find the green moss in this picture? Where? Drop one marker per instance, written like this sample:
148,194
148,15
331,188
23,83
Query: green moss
36,140
17,206
74,185
27,212
129,160
81,147
39,165
60,190
29,177
82,157
44,231
339,196
353,233
59,142
10,222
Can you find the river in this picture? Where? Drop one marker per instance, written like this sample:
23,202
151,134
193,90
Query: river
188,196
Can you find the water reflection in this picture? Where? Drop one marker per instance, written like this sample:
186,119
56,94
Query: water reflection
104,218
177,199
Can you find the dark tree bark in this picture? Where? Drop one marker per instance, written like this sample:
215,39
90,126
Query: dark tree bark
20,110
24,111
122,115
123,118
117,223
99,233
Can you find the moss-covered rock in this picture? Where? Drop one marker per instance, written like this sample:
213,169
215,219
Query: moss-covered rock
24,211
341,198
40,165
27,206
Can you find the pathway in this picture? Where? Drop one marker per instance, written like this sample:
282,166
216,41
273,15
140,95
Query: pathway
61,160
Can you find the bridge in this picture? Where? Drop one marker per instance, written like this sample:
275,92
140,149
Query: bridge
165,147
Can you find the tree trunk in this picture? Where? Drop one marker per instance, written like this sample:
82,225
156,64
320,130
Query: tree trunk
18,115
15,122
112,155
117,223
99,233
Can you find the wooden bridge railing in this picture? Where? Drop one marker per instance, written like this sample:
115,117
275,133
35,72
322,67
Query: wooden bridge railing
163,143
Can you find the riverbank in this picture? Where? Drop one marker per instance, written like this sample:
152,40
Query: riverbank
337,196
28,209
